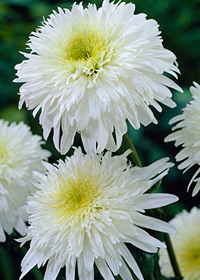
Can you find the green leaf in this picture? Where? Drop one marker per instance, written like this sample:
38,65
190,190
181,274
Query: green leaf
6,264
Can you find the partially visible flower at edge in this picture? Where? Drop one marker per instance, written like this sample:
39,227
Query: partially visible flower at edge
90,70
187,134
186,244
20,155
85,211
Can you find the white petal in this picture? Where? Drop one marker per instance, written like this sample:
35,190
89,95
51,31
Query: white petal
151,201
103,269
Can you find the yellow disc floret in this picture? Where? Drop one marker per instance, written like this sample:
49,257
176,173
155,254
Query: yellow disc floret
75,198
189,256
2,154
87,47
5,153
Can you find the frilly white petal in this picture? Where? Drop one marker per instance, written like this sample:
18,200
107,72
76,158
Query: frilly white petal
95,94
187,134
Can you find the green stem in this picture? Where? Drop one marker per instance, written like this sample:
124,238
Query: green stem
134,158
128,144
158,275
160,214
172,256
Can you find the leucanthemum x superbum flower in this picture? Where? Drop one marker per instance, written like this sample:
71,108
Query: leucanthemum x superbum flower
86,209
187,134
89,70
186,244
20,155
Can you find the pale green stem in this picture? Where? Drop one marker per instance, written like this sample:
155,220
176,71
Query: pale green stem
128,144
172,256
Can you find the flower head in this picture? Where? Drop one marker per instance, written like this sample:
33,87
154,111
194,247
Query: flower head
86,209
187,134
89,70
20,155
186,244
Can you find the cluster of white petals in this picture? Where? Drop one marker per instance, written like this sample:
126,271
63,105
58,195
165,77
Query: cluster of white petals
86,209
20,155
89,70
187,134
186,244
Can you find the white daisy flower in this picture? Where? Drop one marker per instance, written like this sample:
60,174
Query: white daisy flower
20,155
187,134
89,70
186,244
86,209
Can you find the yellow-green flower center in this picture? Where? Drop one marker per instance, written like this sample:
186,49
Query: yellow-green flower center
4,153
86,47
189,257
75,198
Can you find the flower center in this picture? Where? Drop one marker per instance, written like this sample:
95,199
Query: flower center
75,198
4,154
190,257
84,45
87,50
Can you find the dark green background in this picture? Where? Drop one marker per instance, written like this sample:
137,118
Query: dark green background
180,25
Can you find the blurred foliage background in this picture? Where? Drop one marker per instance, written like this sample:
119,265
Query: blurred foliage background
179,22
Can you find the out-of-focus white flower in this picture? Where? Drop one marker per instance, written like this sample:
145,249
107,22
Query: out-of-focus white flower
86,209
186,244
20,155
187,134
89,70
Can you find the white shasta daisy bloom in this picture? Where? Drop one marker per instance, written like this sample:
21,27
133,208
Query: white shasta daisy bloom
187,134
186,244
86,208
89,70
20,155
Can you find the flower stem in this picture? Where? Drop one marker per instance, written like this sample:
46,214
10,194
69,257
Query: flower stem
134,158
172,256
128,144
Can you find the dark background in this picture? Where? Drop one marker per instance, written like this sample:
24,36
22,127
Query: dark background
179,22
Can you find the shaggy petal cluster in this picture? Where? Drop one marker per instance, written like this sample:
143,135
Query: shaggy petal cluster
20,155
84,212
186,244
187,134
91,69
